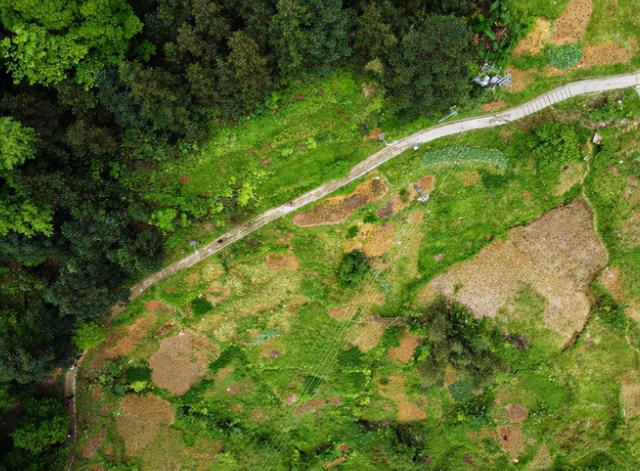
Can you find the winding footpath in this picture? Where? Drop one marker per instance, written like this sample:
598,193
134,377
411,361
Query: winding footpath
574,89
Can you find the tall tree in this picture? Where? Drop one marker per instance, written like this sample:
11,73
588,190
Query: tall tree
310,35
54,39
429,67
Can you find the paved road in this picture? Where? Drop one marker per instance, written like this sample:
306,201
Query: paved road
384,155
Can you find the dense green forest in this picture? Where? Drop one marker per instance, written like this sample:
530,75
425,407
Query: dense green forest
97,93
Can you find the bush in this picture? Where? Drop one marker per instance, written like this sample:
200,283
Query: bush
453,336
564,57
352,232
88,335
353,268
201,306
44,425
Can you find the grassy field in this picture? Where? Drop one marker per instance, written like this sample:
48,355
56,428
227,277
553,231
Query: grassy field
291,368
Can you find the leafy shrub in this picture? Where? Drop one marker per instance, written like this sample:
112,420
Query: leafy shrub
138,378
476,408
44,425
353,268
554,143
564,57
88,335
452,335
352,232
465,155
493,181
226,357
609,311
460,390
201,306
350,358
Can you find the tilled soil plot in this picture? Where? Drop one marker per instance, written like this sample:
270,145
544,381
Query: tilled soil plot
335,210
557,255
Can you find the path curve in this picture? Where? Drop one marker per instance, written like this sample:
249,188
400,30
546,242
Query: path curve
372,162
384,155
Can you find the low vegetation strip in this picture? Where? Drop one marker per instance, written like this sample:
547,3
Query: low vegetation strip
465,155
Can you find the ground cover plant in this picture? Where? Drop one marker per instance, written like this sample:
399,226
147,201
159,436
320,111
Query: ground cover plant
308,372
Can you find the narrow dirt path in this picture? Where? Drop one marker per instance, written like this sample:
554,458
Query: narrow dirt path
372,162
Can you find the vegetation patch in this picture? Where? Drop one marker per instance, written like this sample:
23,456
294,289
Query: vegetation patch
564,57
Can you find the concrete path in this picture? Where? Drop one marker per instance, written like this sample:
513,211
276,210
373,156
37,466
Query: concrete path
384,155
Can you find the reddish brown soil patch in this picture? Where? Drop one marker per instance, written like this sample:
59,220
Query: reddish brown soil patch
511,439
570,176
335,210
313,404
630,394
557,255
134,333
533,43
605,53
631,230
164,329
612,279
396,391
633,310
404,352
469,178
374,240
91,447
517,413
373,135
570,27
494,105
181,360
281,261
397,203
140,419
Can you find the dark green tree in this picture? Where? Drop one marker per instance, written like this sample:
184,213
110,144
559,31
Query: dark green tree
45,424
428,69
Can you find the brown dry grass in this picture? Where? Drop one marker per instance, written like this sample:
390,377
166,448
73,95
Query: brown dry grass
335,210
571,25
181,360
511,439
557,255
520,79
493,105
404,352
533,43
281,261
132,335
612,279
395,390
633,310
140,419
570,176
631,230
517,413
630,394
92,445
365,336
469,178
606,53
